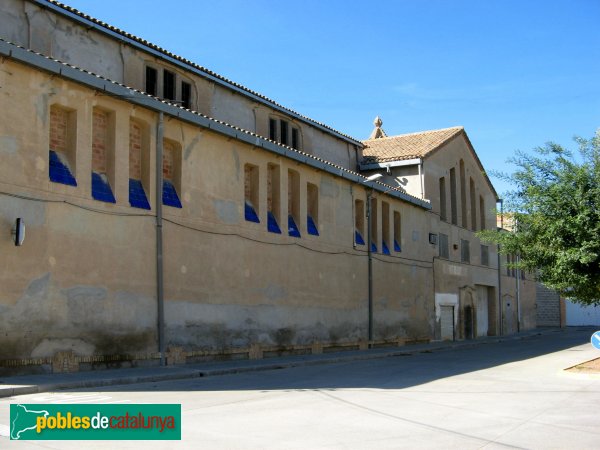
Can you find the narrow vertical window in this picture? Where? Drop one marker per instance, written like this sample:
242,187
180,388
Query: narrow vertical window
465,251
293,203
443,215
397,232
295,139
61,152
171,164
453,210
251,179
359,222
102,154
473,204
385,228
283,132
463,195
485,255
137,194
273,129
186,95
312,209
481,213
273,198
374,224
151,81
168,85
443,246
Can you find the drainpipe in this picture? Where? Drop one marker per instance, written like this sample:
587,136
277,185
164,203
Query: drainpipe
370,258
500,269
159,240
517,273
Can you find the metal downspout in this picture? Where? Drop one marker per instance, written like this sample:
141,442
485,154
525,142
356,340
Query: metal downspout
159,240
500,331
370,258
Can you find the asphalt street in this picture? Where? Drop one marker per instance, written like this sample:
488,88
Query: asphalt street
511,394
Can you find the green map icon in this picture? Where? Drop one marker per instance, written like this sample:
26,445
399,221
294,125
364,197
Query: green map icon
23,419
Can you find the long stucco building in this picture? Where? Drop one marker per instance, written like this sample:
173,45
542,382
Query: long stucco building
172,214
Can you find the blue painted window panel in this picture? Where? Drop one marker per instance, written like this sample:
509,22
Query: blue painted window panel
384,249
272,224
311,227
169,195
292,227
373,247
358,238
101,188
59,171
137,195
250,213
397,246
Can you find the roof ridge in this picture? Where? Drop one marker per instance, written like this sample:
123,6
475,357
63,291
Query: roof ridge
458,127
194,65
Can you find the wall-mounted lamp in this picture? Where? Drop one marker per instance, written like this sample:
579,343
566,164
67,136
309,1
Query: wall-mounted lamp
18,232
374,177
433,238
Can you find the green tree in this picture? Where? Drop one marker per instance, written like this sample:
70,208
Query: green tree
554,212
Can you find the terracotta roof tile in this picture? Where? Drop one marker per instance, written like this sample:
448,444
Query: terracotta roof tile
407,146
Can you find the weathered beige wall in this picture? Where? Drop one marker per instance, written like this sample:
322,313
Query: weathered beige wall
85,277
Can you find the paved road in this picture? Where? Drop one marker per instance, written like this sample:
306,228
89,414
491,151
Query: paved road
494,395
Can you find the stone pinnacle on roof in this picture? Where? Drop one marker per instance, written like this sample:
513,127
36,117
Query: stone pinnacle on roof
377,131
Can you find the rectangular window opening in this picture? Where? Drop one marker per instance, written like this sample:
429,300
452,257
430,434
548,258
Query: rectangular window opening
186,95
251,179
171,174
374,225
473,204
273,129
463,195
295,139
443,215
61,152
453,210
359,222
482,213
273,198
102,155
397,232
168,85
137,194
283,132
443,246
485,255
465,251
293,203
312,209
151,81
385,228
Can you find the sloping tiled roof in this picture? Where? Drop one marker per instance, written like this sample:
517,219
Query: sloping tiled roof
406,146
191,65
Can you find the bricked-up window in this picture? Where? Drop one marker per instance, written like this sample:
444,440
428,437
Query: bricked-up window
151,81
171,165
293,203
443,246
481,213
453,210
273,198
138,151
102,155
463,194
443,215
473,204
273,129
385,228
359,222
251,183
373,218
397,232
283,132
312,209
485,255
186,94
61,155
465,251
168,85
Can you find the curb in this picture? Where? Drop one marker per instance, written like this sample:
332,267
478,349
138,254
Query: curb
183,373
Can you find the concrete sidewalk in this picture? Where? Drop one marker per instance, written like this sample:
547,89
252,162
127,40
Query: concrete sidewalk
30,384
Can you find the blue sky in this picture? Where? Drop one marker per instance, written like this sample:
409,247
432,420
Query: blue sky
515,74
